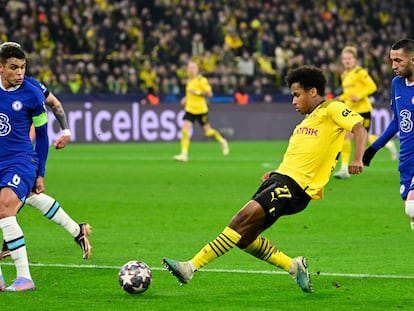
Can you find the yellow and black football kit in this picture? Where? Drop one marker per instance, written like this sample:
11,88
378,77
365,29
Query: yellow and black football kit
311,156
315,144
357,82
195,102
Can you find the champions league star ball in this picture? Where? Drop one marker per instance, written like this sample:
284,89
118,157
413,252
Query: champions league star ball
135,277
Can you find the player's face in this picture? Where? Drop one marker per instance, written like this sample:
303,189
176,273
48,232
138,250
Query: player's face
302,100
348,60
402,64
192,69
12,72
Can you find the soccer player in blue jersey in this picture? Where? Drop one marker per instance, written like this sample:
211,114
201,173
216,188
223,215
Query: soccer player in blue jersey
307,164
22,167
47,205
402,122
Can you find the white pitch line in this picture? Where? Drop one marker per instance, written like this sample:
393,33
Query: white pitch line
351,275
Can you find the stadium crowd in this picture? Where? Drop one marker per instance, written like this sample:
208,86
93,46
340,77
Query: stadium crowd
141,46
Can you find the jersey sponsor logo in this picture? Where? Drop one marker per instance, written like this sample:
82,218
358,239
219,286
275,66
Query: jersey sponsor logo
5,126
397,97
307,131
406,124
17,105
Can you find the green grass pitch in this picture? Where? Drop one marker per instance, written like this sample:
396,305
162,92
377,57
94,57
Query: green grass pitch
142,205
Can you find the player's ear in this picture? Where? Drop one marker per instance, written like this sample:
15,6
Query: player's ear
313,92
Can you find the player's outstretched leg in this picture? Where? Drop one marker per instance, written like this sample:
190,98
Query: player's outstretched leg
183,271
300,274
83,240
53,211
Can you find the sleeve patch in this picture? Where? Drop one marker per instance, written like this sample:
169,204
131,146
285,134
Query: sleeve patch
40,120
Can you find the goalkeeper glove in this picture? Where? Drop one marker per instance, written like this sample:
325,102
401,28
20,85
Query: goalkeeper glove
368,155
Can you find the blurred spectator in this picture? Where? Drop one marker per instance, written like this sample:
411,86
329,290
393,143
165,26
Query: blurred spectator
197,45
233,41
109,36
246,66
148,77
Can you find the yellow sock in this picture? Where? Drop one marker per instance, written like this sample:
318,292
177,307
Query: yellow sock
263,249
346,152
215,134
219,246
372,138
185,141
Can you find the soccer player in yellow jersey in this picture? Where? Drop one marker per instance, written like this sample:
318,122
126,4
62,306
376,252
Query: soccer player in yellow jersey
305,169
196,109
357,86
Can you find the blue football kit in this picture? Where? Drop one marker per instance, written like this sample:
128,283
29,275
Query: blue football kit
20,163
402,106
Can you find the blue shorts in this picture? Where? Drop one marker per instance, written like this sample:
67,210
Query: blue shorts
19,175
406,183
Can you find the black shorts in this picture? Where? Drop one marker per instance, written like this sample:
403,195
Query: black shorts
280,195
202,119
367,120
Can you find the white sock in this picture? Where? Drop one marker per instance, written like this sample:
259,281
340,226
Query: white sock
13,235
412,225
51,209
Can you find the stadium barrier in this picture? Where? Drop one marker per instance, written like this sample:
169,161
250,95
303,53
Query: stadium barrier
103,122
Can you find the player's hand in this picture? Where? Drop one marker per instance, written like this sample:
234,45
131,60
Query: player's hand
39,186
61,142
368,155
356,167
266,176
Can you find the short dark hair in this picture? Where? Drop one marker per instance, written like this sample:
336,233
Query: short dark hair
9,50
308,77
407,45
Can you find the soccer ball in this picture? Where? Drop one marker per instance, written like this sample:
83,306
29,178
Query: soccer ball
135,277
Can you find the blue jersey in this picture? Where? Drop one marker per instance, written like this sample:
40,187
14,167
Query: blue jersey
402,105
402,122
38,84
19,108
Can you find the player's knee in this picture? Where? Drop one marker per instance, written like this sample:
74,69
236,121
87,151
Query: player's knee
409,208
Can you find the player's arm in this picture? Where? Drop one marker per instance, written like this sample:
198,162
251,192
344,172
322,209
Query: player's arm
183,100
206,87
369,86
42,147
381,141
360,138
57,108
203,88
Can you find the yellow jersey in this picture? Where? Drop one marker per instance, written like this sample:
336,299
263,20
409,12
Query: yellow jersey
315,145
197,104
357,82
